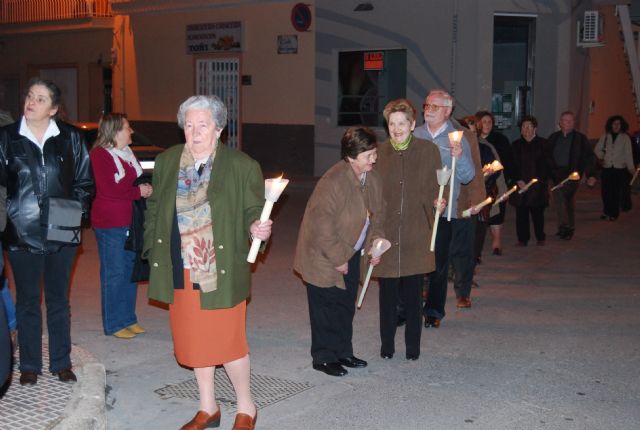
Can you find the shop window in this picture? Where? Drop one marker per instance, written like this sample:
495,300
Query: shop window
368,81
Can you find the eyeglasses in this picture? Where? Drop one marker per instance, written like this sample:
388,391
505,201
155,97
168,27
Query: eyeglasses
432,108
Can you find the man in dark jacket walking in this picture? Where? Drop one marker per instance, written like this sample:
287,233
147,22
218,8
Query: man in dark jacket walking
568,151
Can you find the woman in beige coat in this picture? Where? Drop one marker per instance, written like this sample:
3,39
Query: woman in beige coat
343,216
408,166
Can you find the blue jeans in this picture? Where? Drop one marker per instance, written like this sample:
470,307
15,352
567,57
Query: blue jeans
117,291
29,270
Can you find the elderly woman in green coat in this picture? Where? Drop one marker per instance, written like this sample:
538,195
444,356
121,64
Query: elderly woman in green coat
198,224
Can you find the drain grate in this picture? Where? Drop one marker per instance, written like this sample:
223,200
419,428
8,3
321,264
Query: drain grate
266,390
38,406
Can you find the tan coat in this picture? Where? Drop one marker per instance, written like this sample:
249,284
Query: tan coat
474,192
410,187
333,220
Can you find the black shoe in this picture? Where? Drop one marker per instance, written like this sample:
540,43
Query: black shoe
28,378
497,251
66,375
352,362
603,217
568,234
412,357
331,369
386,355
431,322
401,321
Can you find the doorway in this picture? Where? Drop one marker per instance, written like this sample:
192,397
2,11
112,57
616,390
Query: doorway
513,71
221,77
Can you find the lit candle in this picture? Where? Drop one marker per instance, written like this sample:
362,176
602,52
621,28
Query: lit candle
379,247
475,209
490,169
272,190
443,176
454,137
635,175
504,196
526,187
575,176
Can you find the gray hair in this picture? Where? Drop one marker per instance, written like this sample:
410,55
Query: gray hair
213,103
445,96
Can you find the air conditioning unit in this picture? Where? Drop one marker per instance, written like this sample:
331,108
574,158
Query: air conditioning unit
590,31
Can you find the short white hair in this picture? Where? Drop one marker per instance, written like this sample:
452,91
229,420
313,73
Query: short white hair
212,103
445,96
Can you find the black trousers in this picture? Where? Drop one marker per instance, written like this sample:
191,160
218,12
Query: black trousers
522,223
28,271
616,193
409,290
331,312
564,199
455,240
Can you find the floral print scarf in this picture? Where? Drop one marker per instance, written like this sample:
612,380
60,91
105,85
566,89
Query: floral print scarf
195,223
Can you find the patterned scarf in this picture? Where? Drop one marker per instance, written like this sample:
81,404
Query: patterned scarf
195,223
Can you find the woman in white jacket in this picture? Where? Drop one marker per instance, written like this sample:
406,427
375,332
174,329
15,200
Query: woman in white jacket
616,156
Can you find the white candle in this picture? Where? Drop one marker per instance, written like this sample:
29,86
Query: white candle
503,197
443,176
526,187
468,212
575,176
380,246
454,137
272,190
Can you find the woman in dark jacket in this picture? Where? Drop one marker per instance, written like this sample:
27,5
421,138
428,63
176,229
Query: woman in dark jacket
343,215
43,158
115,169
529,163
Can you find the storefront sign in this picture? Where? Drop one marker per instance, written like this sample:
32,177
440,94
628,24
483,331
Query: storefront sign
214,37
374,60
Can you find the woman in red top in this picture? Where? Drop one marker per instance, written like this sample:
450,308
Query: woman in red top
115,169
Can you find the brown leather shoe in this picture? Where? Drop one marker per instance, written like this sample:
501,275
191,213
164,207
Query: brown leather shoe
463,302
245,422
28,378
66,375
203,420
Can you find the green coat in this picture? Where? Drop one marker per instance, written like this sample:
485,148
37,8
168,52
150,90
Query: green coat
236,195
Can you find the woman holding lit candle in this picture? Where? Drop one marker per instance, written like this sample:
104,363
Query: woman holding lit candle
206,203
343,216
408,165
493,182
530,163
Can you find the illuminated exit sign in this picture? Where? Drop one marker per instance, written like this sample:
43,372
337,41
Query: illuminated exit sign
374,60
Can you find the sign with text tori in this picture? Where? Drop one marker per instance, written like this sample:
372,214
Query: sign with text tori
214,37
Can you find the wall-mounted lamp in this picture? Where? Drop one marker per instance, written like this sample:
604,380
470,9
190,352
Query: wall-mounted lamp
363,7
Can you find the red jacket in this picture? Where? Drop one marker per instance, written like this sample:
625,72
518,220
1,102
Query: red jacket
112,206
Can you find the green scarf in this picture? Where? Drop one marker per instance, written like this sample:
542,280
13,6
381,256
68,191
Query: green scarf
401,146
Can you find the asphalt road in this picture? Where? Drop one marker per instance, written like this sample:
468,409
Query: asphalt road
552,342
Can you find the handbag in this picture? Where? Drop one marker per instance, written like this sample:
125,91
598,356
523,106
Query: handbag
64,217
64,220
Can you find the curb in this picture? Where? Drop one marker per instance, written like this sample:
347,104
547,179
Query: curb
86,409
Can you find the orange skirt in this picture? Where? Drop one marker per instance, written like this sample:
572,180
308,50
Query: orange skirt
206,337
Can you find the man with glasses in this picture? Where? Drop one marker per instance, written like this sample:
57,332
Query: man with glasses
454,238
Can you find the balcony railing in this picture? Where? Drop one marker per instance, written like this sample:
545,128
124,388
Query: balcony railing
28,11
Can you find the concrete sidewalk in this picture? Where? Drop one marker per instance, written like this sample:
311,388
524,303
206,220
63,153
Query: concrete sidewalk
551,342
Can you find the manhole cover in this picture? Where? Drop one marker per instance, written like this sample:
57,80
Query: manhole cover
266,390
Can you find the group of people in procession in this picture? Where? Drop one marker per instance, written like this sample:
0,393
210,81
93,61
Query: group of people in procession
203,206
